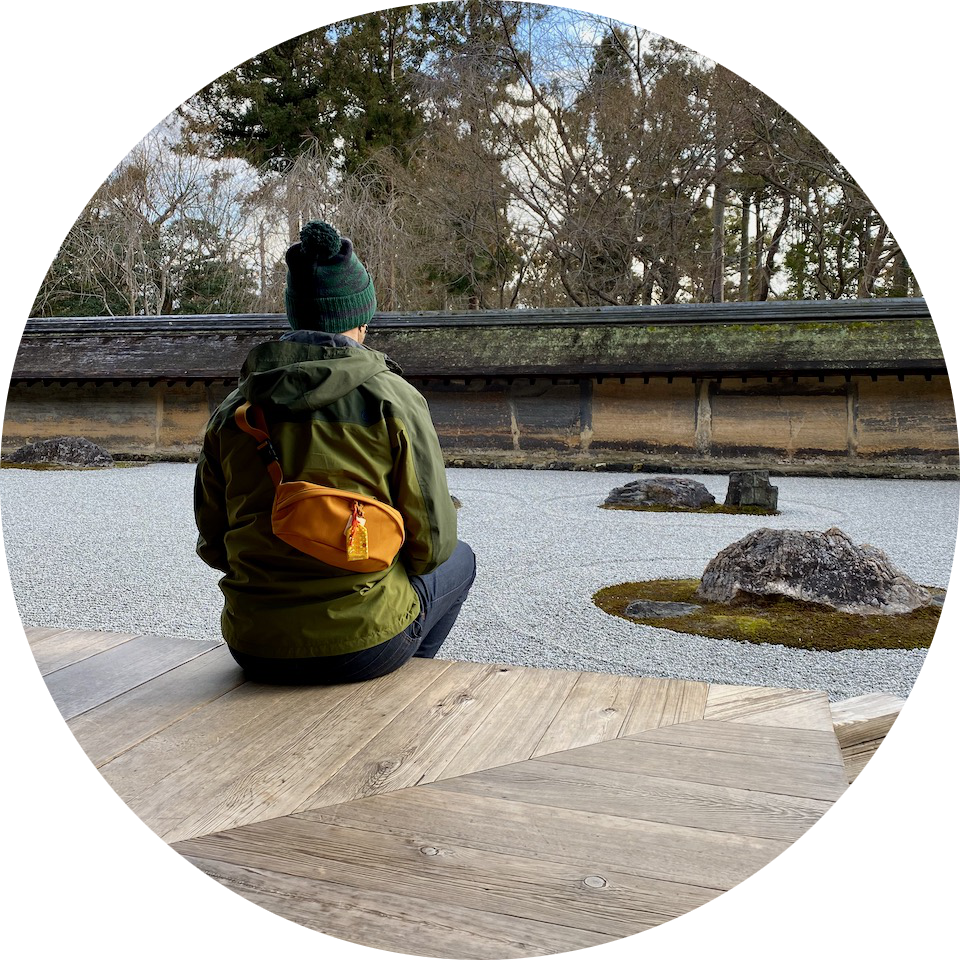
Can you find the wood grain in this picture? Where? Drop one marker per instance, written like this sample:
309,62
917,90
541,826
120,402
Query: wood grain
96,679
638,796
452,809
517,722
769,706
261,752
440,814
55,649
595,709
456,872
861,724
107,731
798,743
349,921
417,746
797,778
662,702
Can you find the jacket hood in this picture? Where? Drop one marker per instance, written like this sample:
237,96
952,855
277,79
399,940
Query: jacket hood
307,370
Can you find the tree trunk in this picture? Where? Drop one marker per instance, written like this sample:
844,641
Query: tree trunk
263,269
766,271
901,270
745,247
719,187
717,249
292,204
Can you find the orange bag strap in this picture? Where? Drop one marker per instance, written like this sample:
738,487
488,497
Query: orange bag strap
250,419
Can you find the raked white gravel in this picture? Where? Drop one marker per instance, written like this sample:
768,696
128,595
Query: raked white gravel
114,550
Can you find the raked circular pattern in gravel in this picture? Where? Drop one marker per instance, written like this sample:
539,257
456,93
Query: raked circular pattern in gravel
114,550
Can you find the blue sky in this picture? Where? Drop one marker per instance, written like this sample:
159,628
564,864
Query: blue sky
169,14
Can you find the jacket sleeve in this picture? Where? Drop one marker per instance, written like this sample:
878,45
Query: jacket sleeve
210,508
421,493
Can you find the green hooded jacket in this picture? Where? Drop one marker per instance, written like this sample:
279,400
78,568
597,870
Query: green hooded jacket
338,416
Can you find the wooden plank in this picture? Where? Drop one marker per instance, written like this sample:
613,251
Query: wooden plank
865,718
642,797
818,746
517,723
263,756
345,921
502,885
94,680
40,927
769,706
440,814
893,754
418,744
14,637
603,707
54,649
594,710
313,745
114,727
797,778
661,702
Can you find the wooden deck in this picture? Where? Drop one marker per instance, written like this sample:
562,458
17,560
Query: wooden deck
450,809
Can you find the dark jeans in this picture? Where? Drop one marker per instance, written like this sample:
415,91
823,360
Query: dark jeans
441,594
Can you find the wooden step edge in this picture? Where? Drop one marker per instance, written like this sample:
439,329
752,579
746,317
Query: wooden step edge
860,724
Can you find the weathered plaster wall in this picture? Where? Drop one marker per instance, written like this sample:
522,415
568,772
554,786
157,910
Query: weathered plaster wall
654,417
129,420
912,418
908,421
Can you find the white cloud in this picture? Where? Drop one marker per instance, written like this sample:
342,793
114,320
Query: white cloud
127,53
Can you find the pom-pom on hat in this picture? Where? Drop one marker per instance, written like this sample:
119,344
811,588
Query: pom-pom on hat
328,288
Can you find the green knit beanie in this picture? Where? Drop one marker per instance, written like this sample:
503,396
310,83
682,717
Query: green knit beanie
327,286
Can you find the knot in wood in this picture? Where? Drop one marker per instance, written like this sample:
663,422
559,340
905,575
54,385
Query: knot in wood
429,851
595,882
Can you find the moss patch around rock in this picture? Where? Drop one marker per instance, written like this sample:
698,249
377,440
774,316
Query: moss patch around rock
791,623
713,508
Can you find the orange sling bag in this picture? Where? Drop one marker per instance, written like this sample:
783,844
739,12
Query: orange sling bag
343,529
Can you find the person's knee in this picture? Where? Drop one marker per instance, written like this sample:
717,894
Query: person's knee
468,559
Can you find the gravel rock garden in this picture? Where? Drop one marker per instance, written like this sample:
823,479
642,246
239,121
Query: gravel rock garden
114,550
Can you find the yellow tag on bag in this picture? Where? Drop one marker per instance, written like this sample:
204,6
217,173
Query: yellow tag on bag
356,533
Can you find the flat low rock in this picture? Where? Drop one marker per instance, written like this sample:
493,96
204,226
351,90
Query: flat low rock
677,492
63,451
822,568
657,609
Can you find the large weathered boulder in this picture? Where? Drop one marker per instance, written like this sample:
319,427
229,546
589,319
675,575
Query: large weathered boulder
751,488
676,492
63,451
823,568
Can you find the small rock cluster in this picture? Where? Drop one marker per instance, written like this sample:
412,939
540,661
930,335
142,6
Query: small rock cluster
938,816
63,451
675,492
